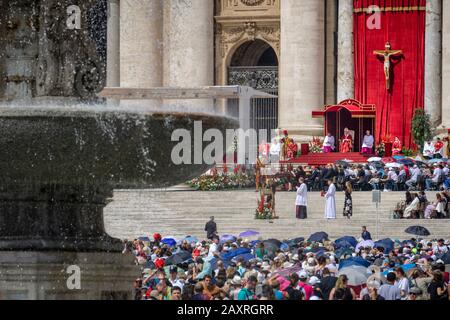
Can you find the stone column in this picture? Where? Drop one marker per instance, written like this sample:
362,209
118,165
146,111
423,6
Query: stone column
141,43
446,64
433,47
331,63
113,47
346,68
189,48
302,73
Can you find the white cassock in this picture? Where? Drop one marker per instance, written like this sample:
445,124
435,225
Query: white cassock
330,207
368,142
329,142
302,195
428,149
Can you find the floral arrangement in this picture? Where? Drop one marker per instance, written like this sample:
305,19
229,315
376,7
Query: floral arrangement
263,212
238,179
315,146
408,152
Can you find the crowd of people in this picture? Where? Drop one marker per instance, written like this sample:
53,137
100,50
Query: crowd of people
372,176
230,268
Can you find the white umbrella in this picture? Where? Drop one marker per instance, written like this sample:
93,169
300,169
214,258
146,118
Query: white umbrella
374,159
365,244
357,275
393,165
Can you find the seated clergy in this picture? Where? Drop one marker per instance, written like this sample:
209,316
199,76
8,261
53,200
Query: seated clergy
397,147
346,142
328,144
439,149
428,150
368,143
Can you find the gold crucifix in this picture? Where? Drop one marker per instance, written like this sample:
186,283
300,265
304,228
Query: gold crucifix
387,54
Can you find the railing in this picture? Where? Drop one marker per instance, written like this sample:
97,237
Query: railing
264,112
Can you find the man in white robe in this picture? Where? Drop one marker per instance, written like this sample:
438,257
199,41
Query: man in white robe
428,150
301,201
275,149
329,144
368,143
330,197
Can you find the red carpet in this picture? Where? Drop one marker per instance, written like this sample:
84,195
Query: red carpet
320,159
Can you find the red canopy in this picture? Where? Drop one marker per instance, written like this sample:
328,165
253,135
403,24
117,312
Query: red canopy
356,109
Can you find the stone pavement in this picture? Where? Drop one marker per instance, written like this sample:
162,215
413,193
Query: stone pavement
178,213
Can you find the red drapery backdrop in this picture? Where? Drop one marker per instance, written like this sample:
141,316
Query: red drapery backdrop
403,25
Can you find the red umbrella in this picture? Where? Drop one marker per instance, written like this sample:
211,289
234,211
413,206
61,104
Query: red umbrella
387,160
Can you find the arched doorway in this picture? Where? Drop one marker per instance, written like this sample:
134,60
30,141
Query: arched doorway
255,64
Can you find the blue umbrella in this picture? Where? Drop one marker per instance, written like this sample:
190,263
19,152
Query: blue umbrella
249,233
387,244
398,157
407,162
169,241
190,239
227,238
243,257
432,161
354,261
446,258
254,243
343,244
284,247
349,239
234,253
405,267
318,237
144,239
418,231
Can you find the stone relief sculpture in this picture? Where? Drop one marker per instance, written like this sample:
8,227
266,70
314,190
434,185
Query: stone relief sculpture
65,61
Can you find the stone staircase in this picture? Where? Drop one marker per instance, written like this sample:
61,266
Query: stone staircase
320,159
178,213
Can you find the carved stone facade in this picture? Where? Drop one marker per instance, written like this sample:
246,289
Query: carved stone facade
41,56
240,21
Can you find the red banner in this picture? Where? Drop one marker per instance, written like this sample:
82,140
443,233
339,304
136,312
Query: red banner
402,23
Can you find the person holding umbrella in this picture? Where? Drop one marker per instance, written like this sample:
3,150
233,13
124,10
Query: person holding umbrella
301,201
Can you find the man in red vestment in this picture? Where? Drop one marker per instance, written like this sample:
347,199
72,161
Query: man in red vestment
438,149
346,142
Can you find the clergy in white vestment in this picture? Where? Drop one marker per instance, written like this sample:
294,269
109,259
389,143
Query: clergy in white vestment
301,201
368,143
428,150
330,197
329,144
275,149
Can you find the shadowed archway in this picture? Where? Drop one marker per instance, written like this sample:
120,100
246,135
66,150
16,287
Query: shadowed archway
255,64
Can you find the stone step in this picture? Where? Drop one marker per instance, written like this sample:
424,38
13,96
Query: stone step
179,213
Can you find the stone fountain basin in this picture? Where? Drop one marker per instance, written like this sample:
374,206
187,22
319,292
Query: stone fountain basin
59,168
118,149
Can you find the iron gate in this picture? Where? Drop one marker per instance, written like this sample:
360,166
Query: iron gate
264,112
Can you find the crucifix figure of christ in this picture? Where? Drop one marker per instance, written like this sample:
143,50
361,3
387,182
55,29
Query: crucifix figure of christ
387,54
